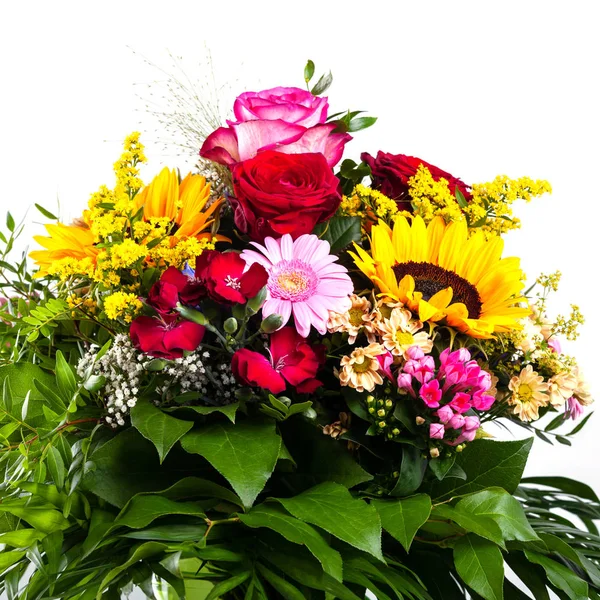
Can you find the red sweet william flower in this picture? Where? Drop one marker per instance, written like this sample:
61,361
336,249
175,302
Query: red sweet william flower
226,280
391,173
166,336
164,294
293,360
279,193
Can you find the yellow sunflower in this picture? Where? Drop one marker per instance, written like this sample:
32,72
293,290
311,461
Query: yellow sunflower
71,242
442,273
182,203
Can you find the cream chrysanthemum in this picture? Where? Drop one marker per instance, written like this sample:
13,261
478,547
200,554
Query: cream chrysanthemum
528,394
361,370
400,331
358,318
561,387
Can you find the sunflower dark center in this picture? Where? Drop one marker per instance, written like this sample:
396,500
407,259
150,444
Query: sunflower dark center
431,279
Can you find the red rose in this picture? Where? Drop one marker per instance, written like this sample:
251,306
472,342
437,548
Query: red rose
292,360
391,172
279,193
165,337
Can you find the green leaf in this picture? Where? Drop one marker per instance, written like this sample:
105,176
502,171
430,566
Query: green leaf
46,213
441,466
361,123
283,587
298,532
531,575
308,446
506,511
8,559
403,518
67,384
141,510
332,507
126,465
481,525
195,487
228,585
322,85
245,454
169,533
42,518
56,467
412,470
192,315
10,222
229,410
480,565
462,201
560,576
564,484
487,463
21,538
309,70
141,552
580,425
161,429
340,232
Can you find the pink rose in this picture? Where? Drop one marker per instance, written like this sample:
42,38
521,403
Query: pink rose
281,119
290,104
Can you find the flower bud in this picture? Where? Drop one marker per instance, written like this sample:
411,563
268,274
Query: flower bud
420,420
271,323
381,424
230,325
460,447
371,411
396,431
434,452
255,304
370,400
381,412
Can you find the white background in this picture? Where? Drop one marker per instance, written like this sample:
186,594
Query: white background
477,88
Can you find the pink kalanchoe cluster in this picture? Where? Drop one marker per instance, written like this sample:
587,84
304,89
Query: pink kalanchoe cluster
455,387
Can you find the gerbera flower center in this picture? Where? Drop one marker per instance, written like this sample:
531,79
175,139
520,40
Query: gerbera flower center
431,279
404,338
292,280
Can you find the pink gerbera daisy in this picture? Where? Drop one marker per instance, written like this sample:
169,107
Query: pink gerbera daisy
303,279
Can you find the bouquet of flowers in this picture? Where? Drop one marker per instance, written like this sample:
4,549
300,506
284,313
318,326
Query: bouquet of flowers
281,376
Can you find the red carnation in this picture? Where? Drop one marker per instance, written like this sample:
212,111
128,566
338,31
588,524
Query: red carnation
391,172
164,294
166,336
227,282
292,360
278,193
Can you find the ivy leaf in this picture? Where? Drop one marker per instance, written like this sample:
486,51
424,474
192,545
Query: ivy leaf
403,518
161,429
298,532
331,506
245,454
480,565
487,463
339,232
505,510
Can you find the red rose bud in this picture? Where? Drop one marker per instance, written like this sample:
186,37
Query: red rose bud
164,294
279,193
165,337
292,360
227,282
391,172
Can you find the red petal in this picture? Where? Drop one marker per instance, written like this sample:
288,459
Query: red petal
184,336
174,277
221,146
253,280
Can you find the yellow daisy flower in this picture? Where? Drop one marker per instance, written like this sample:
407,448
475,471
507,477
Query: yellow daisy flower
441,272
401,331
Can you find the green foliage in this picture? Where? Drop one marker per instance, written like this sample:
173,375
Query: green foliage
340,232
